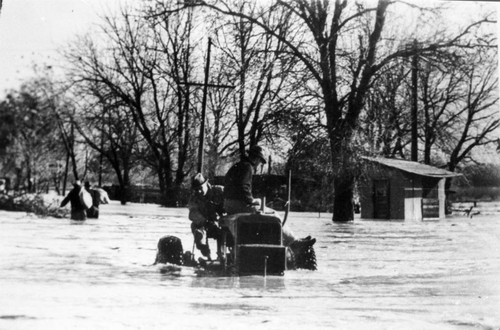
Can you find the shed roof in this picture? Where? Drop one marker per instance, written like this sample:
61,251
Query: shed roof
413,167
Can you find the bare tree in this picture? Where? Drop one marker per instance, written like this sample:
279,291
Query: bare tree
344,74
386,122
457,107
220,119
252,70
320,57
172,35
135,66
476,114
259,62
33,140
105,126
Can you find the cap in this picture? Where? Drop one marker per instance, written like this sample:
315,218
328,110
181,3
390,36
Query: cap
198,180
257,151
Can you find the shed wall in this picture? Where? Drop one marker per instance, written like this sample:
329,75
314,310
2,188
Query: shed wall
412,198
405,193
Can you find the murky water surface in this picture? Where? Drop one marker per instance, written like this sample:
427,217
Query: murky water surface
58,274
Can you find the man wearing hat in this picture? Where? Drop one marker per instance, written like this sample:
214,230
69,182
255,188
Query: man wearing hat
238,196
205,208
77,207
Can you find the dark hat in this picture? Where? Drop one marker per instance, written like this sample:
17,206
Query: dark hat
198,180
258,152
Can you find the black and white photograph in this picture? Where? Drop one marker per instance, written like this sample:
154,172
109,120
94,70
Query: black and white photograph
249,164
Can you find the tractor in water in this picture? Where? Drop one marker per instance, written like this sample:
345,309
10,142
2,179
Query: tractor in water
252,244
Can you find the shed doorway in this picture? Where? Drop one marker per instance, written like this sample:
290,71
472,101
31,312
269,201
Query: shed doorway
381,205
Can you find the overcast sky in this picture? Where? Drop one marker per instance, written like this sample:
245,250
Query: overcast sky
32,30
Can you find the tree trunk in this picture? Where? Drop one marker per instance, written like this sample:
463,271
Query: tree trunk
124,192
343,206
447,186
28,175
72,153
66,169
166,180
343,167
125,186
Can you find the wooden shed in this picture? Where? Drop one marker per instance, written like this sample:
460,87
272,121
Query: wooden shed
396,189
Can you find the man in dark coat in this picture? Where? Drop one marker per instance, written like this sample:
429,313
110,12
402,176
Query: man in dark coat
205,209
77,207
238,196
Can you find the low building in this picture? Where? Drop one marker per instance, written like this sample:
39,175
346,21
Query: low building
396,189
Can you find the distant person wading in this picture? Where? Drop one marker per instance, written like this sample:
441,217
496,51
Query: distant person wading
78,209
93,212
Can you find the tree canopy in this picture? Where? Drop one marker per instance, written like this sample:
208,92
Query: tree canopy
319,83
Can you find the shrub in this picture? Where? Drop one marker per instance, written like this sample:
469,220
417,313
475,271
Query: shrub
476,194
42,205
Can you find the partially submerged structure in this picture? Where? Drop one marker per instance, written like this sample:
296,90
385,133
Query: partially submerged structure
399,189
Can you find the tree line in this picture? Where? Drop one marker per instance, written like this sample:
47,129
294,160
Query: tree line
320,83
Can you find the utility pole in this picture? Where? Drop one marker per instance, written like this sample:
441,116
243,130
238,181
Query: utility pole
205,85
414,104
203,110
102,146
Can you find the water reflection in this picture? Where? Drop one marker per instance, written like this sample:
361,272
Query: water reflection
268,283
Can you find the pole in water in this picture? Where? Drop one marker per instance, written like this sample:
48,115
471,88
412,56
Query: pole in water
192,253
265,265
289,196
224,261
289,185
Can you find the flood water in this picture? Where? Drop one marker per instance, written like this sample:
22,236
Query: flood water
59,274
